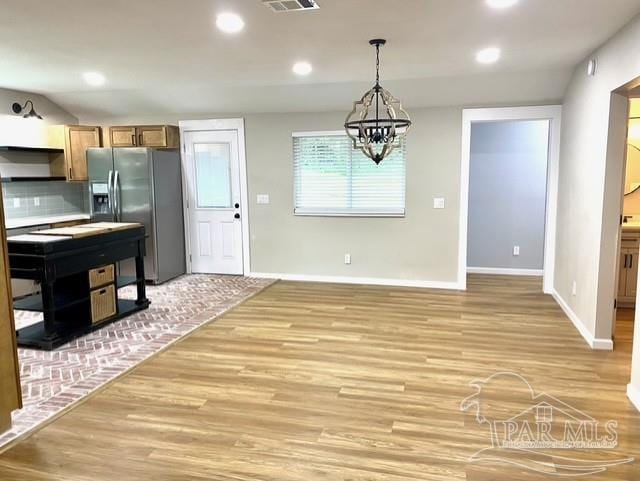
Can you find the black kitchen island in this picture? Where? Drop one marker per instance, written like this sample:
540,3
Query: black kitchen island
77,270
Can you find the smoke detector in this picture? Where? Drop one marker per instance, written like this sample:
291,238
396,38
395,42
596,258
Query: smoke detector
291,5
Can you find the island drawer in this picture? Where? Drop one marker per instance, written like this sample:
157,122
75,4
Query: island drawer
103,303
101,276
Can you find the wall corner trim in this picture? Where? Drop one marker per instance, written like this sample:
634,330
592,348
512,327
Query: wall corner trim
594,343
373,281
633,392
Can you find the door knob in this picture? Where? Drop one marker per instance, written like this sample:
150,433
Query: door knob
237,206
237,216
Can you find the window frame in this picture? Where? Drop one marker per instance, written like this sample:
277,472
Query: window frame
334,212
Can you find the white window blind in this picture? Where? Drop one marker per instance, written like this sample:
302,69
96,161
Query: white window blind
331,178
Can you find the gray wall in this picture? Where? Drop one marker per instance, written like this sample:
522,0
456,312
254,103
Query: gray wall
421,246
507,194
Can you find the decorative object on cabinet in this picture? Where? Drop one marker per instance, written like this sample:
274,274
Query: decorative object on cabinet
10,394
158,136
18,109
377,120
74,141
628,276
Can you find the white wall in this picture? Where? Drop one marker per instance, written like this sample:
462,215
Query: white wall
583,169
420,248
16,130
592,156
507,194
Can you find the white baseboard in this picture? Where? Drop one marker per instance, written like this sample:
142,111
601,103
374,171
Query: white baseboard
503,271
634,395
374,281
594,343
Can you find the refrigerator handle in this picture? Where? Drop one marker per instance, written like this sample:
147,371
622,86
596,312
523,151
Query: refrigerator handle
116,192
110,191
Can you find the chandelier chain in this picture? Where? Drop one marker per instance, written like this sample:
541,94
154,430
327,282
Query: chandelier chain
378,64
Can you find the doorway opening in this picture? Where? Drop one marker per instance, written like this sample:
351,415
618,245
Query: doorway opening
629,245
508,194
507,197
215,196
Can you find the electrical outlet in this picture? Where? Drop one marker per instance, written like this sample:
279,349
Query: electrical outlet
516,250
262,199
574,288
16,202
347,259
36,201
438,203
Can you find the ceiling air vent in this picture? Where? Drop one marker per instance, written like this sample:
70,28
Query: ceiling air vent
291,5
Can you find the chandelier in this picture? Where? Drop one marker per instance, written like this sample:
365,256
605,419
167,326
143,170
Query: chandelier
377,121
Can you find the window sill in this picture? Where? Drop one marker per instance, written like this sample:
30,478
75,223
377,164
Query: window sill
351,214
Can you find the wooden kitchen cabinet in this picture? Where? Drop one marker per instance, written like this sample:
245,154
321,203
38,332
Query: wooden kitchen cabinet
628,271
157,136
10,394
74,140
122,136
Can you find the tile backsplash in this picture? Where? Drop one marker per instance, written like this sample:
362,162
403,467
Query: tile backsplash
48,198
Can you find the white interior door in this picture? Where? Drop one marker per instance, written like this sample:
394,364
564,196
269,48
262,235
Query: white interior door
214,201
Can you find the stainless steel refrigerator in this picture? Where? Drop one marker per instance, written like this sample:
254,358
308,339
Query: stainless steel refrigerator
141,185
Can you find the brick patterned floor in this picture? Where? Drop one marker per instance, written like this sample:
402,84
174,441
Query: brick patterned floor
52,381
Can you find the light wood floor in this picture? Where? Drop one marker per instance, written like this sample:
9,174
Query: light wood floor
315,382
624,328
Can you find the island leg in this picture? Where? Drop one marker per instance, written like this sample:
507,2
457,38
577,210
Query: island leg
48,310
140,284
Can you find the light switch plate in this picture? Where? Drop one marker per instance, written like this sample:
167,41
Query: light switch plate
16,202
516,250
347,259
36,201
438,203
263,199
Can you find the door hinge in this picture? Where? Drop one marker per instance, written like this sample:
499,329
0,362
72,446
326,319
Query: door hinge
621,220
615,303
190,258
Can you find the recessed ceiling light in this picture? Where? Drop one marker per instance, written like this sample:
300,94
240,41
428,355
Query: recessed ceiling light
302,68
95,79
229,22
501,3
488,55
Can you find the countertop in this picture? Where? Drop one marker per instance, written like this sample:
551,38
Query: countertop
52,219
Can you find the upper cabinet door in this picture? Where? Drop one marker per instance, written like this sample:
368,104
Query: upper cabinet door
159,136
152,136
79,139
123,137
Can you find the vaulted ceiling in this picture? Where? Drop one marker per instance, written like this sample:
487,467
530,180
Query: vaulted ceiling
166,56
